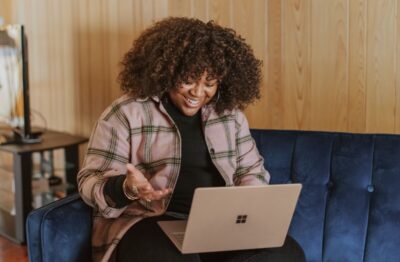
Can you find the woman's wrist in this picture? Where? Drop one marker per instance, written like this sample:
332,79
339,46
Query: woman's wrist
130,193
113,192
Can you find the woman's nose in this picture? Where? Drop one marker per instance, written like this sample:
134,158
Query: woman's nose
197,90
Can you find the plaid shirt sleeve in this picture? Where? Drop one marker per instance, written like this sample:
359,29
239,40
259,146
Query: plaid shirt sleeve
250,164
107,155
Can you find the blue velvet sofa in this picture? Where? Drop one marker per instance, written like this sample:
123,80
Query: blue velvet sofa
349,208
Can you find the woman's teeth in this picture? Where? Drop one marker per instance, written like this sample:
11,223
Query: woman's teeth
193,102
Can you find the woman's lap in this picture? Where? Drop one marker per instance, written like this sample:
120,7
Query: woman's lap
147,242
290,251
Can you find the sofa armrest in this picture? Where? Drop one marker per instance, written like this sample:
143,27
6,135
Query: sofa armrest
60,231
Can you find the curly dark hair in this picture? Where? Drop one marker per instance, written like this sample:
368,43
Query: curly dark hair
177,48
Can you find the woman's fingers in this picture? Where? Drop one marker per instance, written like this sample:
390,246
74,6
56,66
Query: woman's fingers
144,187
135,178
157,194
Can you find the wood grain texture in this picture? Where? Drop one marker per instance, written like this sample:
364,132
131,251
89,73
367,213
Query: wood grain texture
329,86
201,9
397,112
222,11
327,65
381,61
7,11
357,65
270,110
296,82
258,14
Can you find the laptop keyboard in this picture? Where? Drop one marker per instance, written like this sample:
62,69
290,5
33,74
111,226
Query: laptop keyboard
178,236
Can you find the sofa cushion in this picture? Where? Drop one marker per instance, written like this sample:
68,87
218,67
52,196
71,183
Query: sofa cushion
349,203
60,231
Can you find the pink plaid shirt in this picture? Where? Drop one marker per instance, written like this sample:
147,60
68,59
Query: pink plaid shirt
141,132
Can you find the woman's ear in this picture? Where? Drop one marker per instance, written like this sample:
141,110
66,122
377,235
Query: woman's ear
216,97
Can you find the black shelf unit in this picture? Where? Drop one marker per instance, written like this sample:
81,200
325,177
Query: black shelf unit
20,196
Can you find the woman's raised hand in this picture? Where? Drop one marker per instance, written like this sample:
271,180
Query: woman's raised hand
137,183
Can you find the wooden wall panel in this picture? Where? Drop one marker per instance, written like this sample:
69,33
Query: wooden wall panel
222,11
327,65
296,66
381,64
6,11
397,112
269,111
246,17
357,65
180,7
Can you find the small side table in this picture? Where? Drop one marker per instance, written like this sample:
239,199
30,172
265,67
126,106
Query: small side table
12,225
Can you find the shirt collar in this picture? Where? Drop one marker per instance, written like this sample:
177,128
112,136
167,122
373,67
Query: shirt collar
154,98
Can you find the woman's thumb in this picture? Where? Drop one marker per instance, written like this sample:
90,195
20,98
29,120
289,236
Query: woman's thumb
131,168
134,172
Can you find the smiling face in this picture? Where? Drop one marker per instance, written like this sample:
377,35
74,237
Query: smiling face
191,96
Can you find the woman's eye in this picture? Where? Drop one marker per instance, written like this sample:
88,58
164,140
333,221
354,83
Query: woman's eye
210,84
188,82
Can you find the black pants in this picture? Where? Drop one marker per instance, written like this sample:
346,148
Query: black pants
147,242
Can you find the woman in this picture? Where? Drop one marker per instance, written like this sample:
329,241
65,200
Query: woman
178,127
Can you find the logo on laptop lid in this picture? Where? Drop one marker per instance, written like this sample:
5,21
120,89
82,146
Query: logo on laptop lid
241,219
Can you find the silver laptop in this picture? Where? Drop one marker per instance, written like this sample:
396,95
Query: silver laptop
234,218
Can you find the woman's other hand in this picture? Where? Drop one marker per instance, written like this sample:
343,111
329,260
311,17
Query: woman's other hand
137,184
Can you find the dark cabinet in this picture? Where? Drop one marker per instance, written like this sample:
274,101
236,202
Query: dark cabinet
33,175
